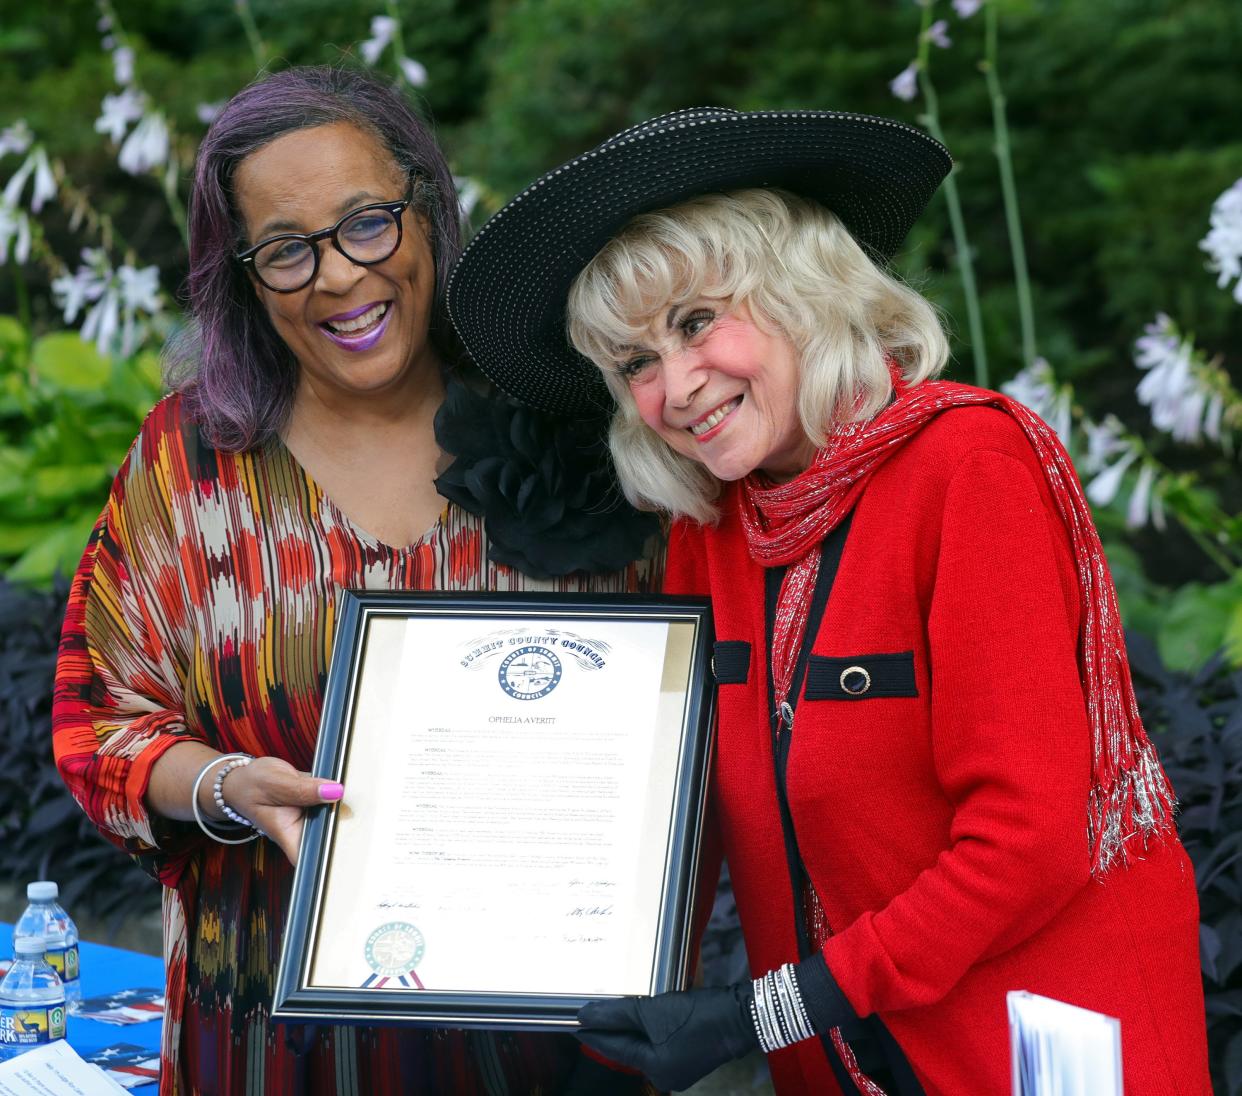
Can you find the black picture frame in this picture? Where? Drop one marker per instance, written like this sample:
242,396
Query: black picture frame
297,996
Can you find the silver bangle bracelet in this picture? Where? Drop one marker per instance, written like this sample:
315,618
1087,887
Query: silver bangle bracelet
796,992
754,1019
206,825
791,1001
769,1033
777,1010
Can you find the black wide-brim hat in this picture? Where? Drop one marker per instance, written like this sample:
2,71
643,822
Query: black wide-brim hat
507,293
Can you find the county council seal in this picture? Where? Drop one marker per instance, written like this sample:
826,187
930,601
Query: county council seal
395,948
530,672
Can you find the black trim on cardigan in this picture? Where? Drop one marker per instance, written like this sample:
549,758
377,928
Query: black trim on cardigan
880,1054
731,661
830,559
861,677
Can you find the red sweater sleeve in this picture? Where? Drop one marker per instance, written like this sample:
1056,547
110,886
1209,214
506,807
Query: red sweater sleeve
685,572
1011,748
119,697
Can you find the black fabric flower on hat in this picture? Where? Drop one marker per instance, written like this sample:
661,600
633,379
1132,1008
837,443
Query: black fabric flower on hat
545,486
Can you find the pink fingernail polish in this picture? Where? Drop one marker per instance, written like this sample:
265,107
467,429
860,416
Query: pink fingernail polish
331,791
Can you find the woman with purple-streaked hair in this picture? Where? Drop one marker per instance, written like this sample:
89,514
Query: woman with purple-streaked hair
304,449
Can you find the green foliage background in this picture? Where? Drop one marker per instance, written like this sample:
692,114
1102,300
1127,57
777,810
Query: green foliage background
1123,126
1123,119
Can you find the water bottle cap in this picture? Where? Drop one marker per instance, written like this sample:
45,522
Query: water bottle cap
27,947
43,891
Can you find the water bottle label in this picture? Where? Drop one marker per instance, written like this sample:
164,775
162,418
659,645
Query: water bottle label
30,1027
64,961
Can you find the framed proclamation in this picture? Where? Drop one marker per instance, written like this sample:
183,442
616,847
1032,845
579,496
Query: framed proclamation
525,779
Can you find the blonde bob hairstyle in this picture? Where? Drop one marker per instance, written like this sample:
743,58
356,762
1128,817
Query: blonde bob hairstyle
799,271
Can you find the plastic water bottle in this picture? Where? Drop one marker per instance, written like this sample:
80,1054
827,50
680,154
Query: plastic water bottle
45,920
32,1001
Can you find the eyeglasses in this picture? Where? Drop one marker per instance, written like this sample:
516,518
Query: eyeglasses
290,261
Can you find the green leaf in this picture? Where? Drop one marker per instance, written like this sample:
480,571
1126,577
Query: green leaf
1136,595
14,472
68,481
17,538
66,361
13,341
1194,624
1233,629
59,553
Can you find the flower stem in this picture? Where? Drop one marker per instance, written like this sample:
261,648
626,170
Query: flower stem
242,7
23,297
175,206
398,40
1004,159
1209,549
961,244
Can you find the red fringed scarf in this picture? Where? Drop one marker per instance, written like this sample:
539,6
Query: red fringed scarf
786,523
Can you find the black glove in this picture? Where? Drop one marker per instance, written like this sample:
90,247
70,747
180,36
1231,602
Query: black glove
592,1078
674,1038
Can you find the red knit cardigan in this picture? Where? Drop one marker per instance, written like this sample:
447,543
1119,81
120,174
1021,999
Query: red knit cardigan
943,823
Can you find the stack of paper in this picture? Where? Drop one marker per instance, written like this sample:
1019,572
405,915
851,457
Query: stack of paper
1062,1050
54,1069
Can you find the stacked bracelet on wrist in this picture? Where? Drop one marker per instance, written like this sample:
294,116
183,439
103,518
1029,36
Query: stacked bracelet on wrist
217,791
215,830
778,1011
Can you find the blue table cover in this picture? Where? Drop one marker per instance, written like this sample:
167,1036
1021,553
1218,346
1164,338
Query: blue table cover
105,970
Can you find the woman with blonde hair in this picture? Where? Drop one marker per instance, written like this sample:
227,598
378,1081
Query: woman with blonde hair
931,782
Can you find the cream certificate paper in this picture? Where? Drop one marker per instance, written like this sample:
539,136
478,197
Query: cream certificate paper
506,816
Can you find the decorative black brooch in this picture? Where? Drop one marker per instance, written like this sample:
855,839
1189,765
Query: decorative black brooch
545,486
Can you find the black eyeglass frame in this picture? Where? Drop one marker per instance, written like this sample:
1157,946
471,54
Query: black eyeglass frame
396,209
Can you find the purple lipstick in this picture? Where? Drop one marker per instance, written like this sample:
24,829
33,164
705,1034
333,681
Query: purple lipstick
359,329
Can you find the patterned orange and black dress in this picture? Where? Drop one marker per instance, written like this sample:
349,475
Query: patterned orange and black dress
203,610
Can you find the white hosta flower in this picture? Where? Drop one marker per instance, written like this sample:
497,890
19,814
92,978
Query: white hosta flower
938,34
71,292
15,231
140,289
1036,387
15,138
139,292
208,112
146,147
35,164
1103,489
966,8
87,283
905,85
1158,341
123,65
13,188
1187,416
103,321
1104,439
1140,498
44,180
414,73
1215,413
383,27
468,194
1157,510
1171,388
118,112
119,301
1224,239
